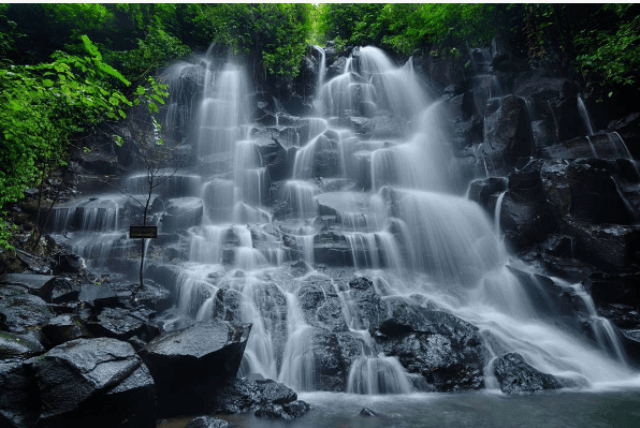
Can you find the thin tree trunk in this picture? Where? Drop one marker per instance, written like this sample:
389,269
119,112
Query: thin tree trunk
144,223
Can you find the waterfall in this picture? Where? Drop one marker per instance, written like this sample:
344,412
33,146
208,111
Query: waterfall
374,190
584,114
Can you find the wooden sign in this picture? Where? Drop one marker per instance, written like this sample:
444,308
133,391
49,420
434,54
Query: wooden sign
143,232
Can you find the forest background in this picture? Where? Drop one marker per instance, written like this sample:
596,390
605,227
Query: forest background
67,68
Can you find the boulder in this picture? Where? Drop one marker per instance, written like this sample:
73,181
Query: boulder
608,247
507,130
13,345
207,422
123,324
53,289
332,249
130,404
181,214
286,412
274,157
485,191
370,309
623,316
515,376
618,286
367,412
153,296
321,304
192,364
19,403
67,262
98,382
23,312
543,89
226,305
36,284
264,398
64,328
320,359
604,146
99,296
442,71
272,306
583,190
445,350
628,128
525,216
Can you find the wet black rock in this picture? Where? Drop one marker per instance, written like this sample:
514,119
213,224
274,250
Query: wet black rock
570,123
274,157
605,146
181,214
53,289
507,130
265,398
226,306
286,412
371,311
64,328
331,353
517,377
13,345
615,287
12,290
446,350
332,249
207,422
23,312
192,364
98,382
320,304
153,296
272,305
486,191
19,403
628,128
623,316
525,220
67,262
367,412
551,299
442,71
99,296
608,247
583,190
36,284
123,324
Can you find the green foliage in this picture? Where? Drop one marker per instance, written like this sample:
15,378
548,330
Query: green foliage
403,27
44,105
273,35
612,53
156,50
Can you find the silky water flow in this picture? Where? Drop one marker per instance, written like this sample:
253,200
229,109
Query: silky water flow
396,198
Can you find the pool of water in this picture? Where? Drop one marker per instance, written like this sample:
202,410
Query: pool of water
601,408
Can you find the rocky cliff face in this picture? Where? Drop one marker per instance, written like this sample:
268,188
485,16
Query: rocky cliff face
275,225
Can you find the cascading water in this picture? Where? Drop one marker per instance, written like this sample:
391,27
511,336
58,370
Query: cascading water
374,190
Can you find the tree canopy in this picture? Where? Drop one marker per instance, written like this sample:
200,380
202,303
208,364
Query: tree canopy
66,67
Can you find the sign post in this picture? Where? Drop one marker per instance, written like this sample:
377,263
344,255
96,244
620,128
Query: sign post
143,232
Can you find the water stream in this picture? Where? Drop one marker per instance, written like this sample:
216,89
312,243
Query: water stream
373,183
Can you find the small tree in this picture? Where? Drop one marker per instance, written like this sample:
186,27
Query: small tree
158,159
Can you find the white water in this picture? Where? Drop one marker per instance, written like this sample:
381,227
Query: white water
391,194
